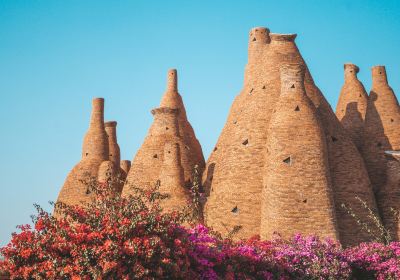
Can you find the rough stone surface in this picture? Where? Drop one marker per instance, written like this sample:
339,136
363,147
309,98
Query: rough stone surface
297,194
352,105
233,175
94,153
382,127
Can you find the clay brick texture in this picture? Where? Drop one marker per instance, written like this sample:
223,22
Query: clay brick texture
352,105
234,172
284,162
170,126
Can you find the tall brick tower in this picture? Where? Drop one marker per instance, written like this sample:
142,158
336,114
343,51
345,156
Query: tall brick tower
94,154
297,194
352,105
382,127
170,125
233,175
172,99
172,181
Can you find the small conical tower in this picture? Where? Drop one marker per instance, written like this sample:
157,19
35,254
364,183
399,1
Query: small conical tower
352,105
297,194
170,125
172,181
172,99
94,153
382,127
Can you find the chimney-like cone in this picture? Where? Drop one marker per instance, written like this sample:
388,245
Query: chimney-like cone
172,80
296,149
125,165
95,143
114,153
379,77
350,71
97,116
292,78
172,178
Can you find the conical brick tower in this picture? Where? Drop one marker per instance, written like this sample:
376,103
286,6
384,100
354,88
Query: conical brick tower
172,99
172,181
382,127
352,105
170,125
234,172
94,154
297,195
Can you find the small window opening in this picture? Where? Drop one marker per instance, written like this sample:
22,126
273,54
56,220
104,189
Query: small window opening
392,120
187,148
251,91
155,156
167,128
292,86
235,122
87,191
254,39
380,72
87,154
297,108
169,152
334,139
360,95
263,87
245,142
215,149
305,201
288,160
110,155
379,144
351,71
235,210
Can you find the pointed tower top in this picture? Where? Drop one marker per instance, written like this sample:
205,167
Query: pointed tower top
171,97
350,70
95,142
379,75
259,35
172,80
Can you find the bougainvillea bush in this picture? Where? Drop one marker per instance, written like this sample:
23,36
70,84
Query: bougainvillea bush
131,238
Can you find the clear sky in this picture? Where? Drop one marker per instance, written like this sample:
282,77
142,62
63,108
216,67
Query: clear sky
55,56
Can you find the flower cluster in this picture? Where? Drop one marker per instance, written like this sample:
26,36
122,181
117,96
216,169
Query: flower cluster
131,238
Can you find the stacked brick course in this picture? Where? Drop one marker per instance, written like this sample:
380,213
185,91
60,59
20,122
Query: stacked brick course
297,194
352,105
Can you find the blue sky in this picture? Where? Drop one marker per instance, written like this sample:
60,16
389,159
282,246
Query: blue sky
55,56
